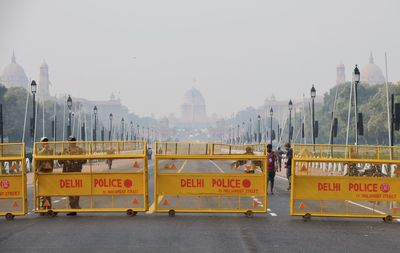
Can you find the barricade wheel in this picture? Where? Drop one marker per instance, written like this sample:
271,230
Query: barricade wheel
249,213
388,219
171,213
307,217
130,212
9,216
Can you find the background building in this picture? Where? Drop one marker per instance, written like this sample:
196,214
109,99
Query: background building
13,75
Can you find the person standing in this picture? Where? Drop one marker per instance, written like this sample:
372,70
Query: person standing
289,156
74,165
279,154
271,168
45,166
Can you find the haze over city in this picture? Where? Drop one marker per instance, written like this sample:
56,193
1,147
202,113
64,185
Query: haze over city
236,53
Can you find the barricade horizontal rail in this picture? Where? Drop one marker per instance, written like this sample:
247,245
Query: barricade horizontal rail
91,177
354,185
13,200
208,182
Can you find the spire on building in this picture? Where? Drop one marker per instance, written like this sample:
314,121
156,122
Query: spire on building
371,59
13,59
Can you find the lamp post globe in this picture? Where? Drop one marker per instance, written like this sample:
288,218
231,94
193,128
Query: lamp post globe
290,121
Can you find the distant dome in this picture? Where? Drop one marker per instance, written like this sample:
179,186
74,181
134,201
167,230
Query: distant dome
371,73
193,97
13,75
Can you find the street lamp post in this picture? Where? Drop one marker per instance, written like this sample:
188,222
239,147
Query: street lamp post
122,128
131,130
109,133
1,123
259,128
290,120
148,134
271,113
250,132
356,77
95,124
33,123
69,104
137,134
313,95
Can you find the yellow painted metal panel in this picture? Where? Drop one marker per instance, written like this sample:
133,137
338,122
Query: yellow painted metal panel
346,188
11,187
211,184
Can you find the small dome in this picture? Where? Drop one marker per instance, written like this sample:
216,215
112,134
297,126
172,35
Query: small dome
371,73
44,65
13,75
193,97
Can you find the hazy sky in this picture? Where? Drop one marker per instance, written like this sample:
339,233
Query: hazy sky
240,52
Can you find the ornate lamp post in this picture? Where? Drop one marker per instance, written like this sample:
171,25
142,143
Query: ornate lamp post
313,95
290,120
271,113
33,123
109,133
69,105
95,124
356,77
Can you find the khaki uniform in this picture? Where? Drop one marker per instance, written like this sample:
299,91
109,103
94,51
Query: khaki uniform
45,166
73,166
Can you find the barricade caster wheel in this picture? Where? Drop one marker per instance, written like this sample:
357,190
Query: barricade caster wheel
249,213
9,216
171,213
130,212
307,217
51,213
388,219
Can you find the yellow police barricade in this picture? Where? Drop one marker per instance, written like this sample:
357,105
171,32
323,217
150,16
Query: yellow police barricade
205,177
12,180
345,181
78,176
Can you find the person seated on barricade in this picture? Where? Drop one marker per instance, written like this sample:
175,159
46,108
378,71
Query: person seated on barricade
109,161
45,166
74,165
248,164
271,168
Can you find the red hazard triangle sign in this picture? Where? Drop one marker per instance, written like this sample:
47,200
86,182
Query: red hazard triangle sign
15,204
302,206
46,203
165,202
135,201
255,203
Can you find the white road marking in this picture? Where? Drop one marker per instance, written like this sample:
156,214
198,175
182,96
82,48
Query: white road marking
281,177
217,166
56,201
366,207
273,214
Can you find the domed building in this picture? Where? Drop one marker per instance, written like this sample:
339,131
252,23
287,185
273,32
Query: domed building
372,73
13,75
194,107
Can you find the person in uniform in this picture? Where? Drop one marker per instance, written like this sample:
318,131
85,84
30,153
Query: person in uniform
45,166
279,154
74,165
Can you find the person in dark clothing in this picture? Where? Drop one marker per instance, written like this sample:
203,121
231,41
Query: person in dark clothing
289,156
271,168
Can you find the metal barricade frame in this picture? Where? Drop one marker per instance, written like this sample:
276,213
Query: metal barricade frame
340,180
13,186
95,184
170,184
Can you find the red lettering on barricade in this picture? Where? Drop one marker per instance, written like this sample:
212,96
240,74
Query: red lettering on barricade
363,187
226,183
192,183
71,183
332,187
107,183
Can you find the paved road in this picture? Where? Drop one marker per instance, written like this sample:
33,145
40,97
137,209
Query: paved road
275,231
